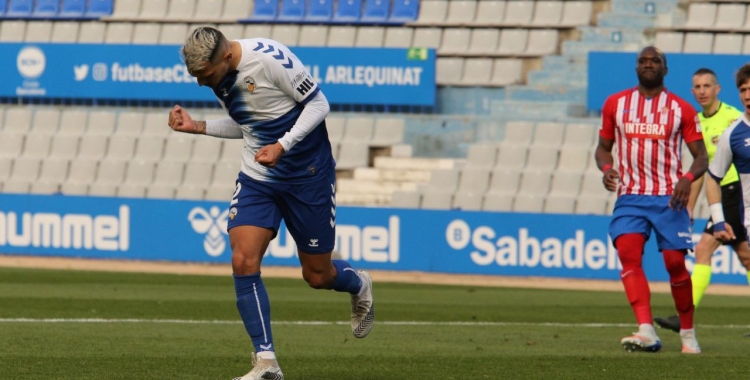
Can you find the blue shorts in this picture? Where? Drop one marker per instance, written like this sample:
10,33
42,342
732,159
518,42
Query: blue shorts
642,213
309,210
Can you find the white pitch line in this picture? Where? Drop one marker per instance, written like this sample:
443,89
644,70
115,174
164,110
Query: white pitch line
332,323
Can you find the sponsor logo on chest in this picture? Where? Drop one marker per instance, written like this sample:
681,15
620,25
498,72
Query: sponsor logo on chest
645,130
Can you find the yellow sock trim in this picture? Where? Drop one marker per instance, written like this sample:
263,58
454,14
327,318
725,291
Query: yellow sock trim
701,278
748,278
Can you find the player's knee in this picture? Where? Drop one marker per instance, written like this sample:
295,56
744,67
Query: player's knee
244,261
317,279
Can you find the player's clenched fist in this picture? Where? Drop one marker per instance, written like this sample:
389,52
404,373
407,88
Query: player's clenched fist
610,179
269,155
180,121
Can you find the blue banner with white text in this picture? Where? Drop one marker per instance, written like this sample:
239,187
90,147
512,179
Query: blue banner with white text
349,76
610,73
462,242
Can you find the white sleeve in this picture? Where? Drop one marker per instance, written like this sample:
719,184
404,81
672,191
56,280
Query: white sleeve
224,128
723,156
290,75
312,115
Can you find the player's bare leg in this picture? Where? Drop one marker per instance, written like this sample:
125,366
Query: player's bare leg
321,272
249,243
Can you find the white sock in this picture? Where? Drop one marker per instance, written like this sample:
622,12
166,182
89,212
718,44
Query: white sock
687,331
266,355
647,329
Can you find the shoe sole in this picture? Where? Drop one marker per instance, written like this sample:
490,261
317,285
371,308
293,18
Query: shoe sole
635,347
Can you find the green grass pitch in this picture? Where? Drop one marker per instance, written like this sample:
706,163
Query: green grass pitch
151,326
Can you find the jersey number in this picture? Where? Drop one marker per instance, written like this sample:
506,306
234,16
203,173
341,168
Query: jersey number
235,200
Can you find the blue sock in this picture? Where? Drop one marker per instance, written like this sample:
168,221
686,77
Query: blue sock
347,279
255,310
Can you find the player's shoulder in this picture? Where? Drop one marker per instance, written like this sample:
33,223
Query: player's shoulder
262,48
730,111
612,100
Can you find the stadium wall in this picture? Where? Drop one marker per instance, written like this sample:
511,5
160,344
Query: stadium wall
461,242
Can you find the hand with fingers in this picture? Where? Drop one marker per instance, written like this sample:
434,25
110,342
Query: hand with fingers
681,194
723,232
611,179
180,121
269,155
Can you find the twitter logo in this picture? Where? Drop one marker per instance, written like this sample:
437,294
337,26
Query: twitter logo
81,72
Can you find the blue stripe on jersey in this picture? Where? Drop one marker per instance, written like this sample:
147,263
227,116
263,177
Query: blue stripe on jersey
739,142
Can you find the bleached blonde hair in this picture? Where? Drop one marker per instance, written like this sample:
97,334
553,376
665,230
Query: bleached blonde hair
200,47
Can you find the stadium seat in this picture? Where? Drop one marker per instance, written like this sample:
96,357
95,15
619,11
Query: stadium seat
518,133
746,45
341,36
146,33
483,42
369,36
51,175
198,175
155,124
432,12
592,204
46,121
81,174
100,8
699,43
236,9
286,34
190,192
547,13
481,156
701,16
36,146
577,13
376,11
119,33
591,183
219,193
528,203
11,144
427,37
449,71
468,201
225,174
160,192
129,190
258,30
320,11
549,134
139,173
180,10
565,183
179,147
17,120
73,122
542,42
511,157
398,37
388,131
101,123
489,13
506,71
154,10
168,174
669,42
518,13
313,35
268,10
335,150
173,34
460,12
730,16
149,148
206,150
542,157
728,44
120,148
209,10
109,175
92,32
434,200
12,31
126,9
38,31
477,71
405,199
231,151
64,147
560,204
19,8
352,155
497,202
579,135
513,41
534,183
45,8
358,129
92,147
474,180
64,32
348,11
404,11
232,31
335,126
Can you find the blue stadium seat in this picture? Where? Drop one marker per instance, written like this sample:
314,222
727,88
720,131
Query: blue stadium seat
292,10
348,11
320,11
265,10
99,8
376,11
19,8
72,8
46,8
404,11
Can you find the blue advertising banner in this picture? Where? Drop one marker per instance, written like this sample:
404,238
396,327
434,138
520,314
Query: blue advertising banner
564,246
356,76
613,72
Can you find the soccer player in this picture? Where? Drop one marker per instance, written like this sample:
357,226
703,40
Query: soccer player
287,173
715,118
648,124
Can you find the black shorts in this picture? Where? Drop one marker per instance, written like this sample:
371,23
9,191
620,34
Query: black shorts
731,201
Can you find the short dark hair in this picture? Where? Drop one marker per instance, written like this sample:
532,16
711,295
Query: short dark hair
704,70
743,75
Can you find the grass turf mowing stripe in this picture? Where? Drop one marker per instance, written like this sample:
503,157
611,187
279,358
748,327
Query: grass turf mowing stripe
332,323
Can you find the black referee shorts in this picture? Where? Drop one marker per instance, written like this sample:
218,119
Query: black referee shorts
731,201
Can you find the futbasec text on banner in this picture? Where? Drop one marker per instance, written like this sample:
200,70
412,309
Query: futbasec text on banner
462,242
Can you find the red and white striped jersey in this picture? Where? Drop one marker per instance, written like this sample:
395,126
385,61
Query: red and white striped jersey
648,134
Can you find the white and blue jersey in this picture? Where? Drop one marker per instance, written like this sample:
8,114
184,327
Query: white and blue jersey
264,97
734,148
